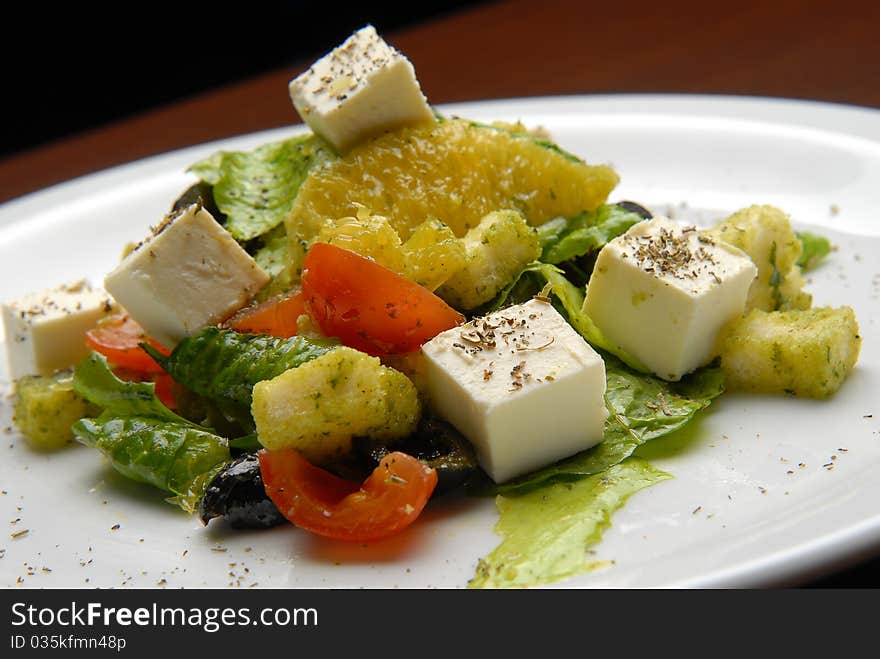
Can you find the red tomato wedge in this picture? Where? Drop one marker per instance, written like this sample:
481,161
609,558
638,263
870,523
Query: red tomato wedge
369,307
316,500
117,338
276,316
165,390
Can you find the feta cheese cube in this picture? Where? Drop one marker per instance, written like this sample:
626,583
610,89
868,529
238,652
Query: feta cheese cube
357,91
521,385
662,293
188,274
45,331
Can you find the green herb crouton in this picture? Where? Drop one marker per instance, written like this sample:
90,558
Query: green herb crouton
316,408
800,352
765,234
496,250
46,407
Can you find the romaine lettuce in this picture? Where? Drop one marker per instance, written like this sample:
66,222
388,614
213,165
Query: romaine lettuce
143,439
224,365
179,458
271,254
548,532
563,239
94,380
255,189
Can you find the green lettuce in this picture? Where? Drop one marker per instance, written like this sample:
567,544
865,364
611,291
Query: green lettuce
255,189
143,439
548,532
271,254
94,380
815,249
224,365
177,458
564,239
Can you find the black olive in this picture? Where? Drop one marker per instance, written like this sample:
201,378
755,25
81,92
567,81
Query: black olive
633,207
199,193
436,444
237,494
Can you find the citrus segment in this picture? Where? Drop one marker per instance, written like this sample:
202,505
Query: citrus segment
455,171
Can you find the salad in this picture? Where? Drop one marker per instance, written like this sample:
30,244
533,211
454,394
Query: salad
340,329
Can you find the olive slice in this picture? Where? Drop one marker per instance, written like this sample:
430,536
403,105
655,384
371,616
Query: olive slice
633,207
237,494
199,193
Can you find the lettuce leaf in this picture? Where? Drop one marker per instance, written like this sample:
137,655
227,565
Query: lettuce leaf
179,458
563,239
142,438
148,442
224,365
271,254
548,532
815,249
94,380
255,189
640,408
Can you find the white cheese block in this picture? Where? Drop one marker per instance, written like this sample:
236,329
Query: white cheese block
188,274
357,91
45,331
521,385
662,293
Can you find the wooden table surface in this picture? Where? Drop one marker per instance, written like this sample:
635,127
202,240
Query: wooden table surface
809,49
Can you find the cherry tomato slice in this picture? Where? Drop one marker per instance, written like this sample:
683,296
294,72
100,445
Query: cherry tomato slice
117,338
314,499
276,316
369,307
165,390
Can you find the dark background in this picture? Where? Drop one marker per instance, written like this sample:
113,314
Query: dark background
76,65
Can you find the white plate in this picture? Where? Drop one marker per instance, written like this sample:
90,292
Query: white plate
740,510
